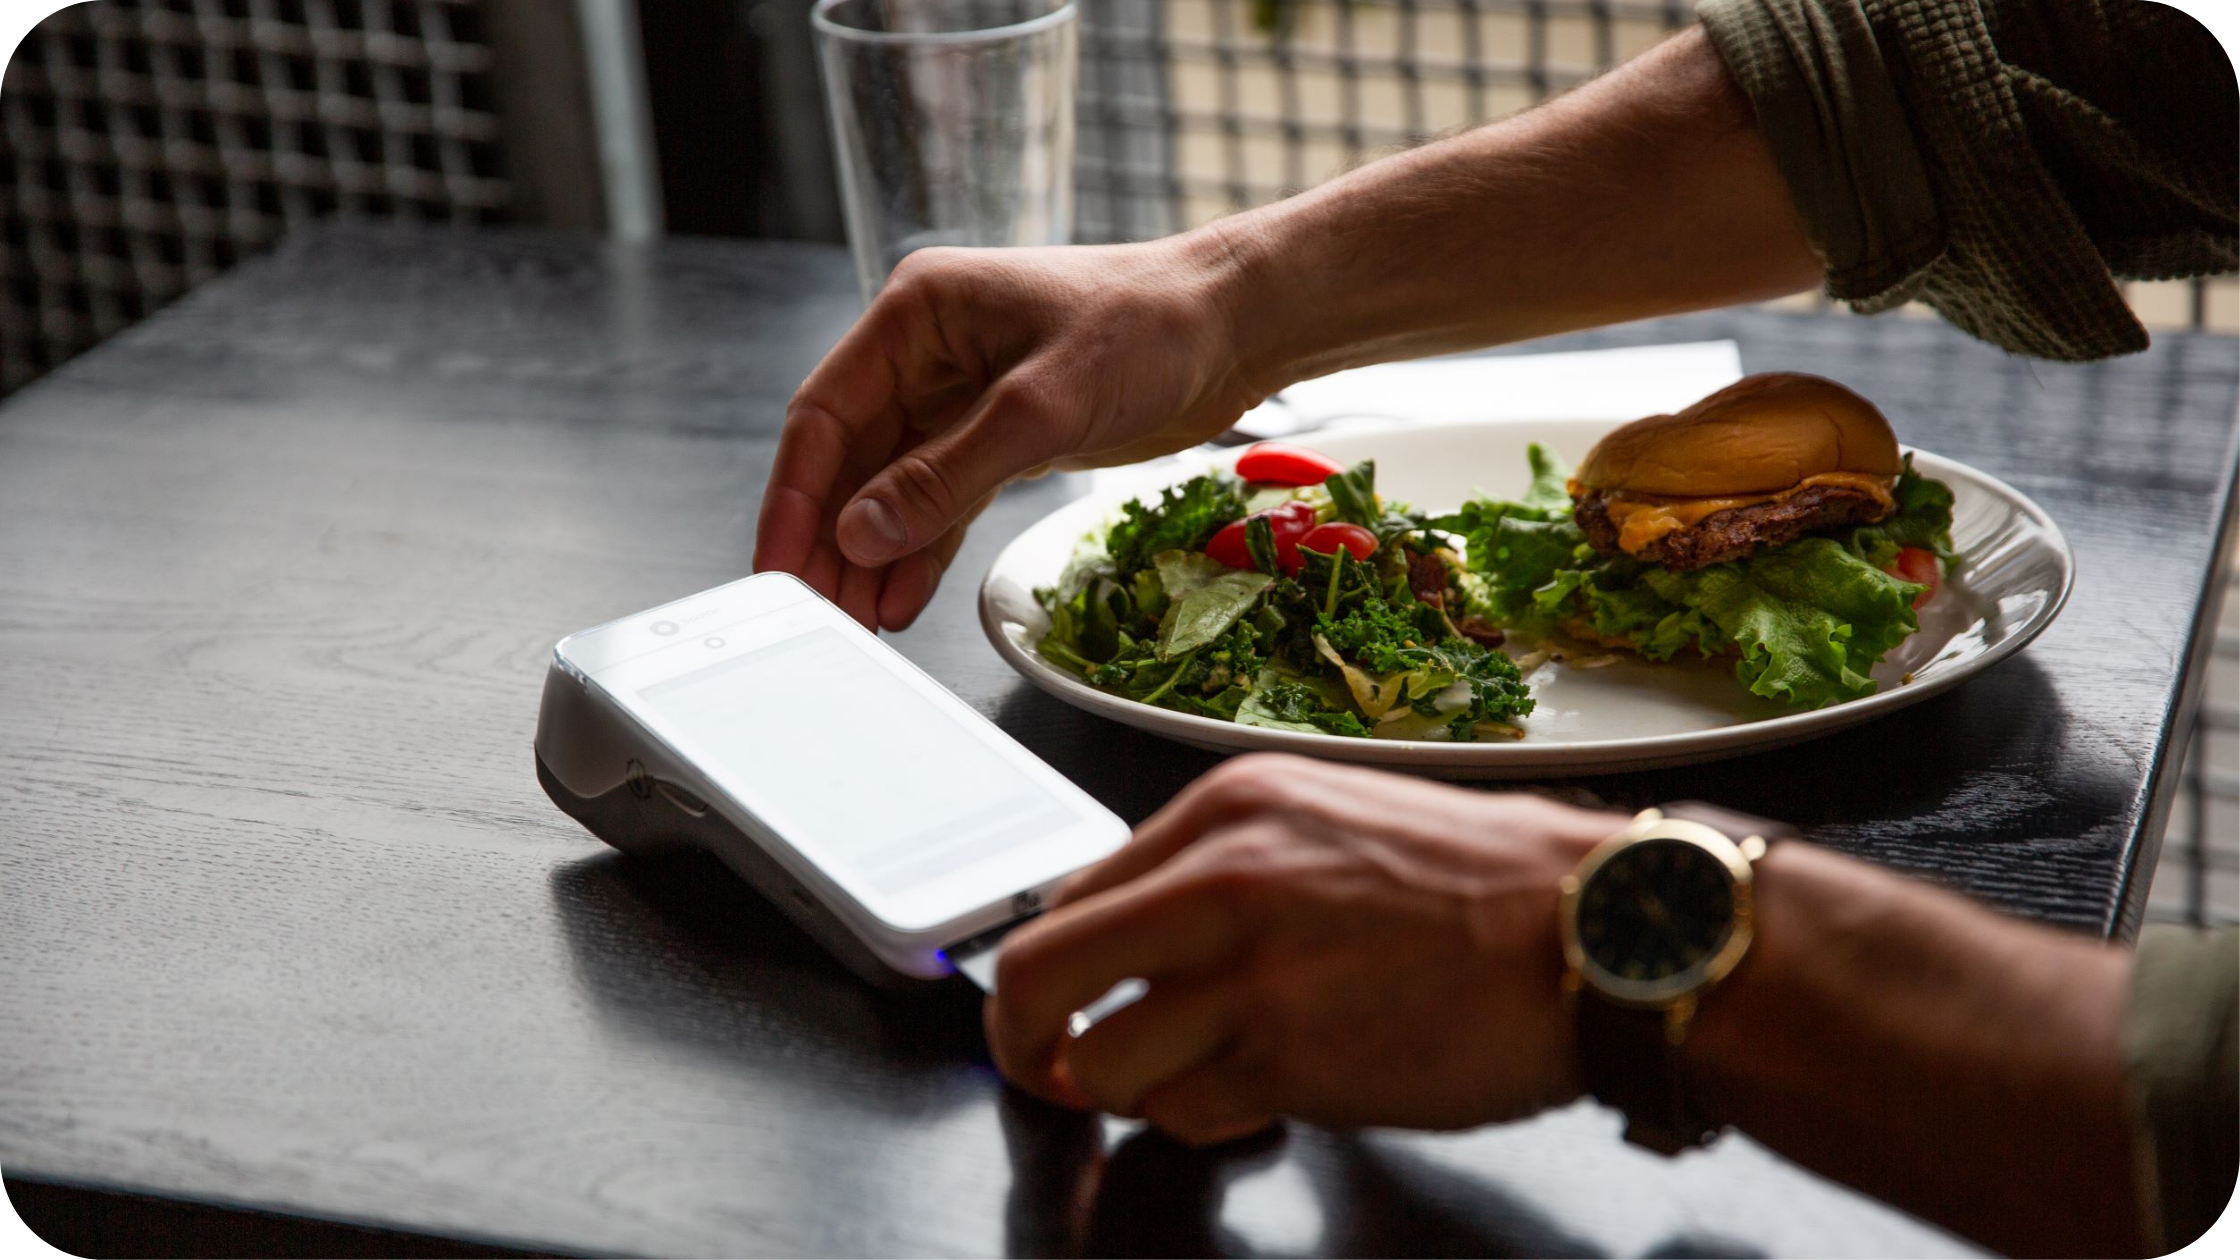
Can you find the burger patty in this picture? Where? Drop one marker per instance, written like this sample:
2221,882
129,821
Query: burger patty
1734,533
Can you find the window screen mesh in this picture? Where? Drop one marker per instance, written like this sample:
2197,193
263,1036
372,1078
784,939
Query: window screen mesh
146,145
1193,108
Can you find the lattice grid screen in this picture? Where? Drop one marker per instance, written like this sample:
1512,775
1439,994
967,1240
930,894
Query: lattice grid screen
1194,108
146,145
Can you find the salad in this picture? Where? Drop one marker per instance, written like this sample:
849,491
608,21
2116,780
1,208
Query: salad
1292,596
1288,596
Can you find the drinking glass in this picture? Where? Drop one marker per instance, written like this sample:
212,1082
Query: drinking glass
952,121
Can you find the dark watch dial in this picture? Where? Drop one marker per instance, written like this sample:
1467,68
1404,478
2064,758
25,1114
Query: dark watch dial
1655,909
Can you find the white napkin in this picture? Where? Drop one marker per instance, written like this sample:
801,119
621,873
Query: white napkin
1621,384
1618,384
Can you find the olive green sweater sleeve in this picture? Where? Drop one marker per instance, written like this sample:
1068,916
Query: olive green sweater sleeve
2003,161
2182,1047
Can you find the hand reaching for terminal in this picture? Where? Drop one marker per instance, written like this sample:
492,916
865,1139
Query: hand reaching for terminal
1646,192
974,367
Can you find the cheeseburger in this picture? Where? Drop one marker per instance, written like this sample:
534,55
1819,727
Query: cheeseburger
1773,524
1764,461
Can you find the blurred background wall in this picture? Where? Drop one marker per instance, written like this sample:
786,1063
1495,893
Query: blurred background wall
147,145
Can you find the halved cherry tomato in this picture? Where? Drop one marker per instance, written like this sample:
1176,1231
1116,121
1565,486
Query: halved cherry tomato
1282,464
1228,546
1328,537
1920,565
1289,522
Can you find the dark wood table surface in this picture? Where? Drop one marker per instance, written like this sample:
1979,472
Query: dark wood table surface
287,927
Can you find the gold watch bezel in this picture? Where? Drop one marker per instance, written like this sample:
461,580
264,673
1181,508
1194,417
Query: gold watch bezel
1681,988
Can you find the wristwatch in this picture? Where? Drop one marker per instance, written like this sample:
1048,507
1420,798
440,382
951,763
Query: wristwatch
1651,920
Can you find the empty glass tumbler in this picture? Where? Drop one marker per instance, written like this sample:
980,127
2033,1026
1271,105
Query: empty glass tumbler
952,121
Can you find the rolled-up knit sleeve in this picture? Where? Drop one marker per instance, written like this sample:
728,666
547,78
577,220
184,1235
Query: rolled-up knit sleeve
2003,161
2182,1047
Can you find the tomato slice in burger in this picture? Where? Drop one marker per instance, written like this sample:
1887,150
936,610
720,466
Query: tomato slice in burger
1920,566
1282,464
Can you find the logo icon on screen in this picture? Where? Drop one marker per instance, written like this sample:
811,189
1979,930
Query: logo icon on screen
663,627
714,642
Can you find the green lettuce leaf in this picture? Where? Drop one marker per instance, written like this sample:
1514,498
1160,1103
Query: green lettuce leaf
1923,519
1181,572
1522,554
1550,491
1810,618
1198,617
1519,547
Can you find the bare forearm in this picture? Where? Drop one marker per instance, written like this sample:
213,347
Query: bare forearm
1649,191
1955,1063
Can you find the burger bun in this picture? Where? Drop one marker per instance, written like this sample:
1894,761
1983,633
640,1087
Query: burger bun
1761,435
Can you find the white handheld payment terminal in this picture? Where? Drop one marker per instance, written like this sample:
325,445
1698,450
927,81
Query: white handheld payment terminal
759,722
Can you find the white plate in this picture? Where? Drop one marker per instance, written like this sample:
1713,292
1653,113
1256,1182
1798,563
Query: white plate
2013,576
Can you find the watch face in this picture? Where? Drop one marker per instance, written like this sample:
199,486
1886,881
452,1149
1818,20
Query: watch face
1654,910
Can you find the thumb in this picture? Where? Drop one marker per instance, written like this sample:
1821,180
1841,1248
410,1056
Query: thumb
931,486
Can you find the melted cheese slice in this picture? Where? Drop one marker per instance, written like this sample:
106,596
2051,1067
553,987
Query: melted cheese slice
1643,519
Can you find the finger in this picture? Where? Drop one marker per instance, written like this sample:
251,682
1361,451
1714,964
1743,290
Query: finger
822,458
822,573
1264,784
1230,793
1220,1102
1180,1024
912,579
859,594
890,372
927,488
1063,961
785,532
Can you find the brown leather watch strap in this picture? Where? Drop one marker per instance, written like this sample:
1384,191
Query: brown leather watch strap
1625,1056
1630,1067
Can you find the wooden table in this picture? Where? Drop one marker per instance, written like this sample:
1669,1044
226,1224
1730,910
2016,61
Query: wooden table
287,926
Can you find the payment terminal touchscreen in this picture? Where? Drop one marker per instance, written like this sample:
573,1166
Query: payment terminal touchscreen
761,723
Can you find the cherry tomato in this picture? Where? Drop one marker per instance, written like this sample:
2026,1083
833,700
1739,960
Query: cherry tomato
1282,464
1919,564
1229,547
1327,538
1289,522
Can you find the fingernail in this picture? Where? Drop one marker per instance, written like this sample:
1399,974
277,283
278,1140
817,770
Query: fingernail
871,533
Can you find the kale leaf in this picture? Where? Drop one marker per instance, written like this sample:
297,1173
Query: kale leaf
1184,518
1377,633
1336,581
